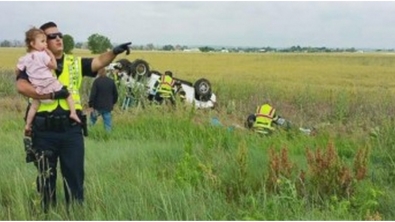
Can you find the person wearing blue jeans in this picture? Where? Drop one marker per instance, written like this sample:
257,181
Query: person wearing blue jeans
103,96
107,119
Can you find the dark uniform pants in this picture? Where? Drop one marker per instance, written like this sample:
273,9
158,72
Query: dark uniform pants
158,97
63,141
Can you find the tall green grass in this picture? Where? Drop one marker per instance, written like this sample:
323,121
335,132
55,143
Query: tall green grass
178,171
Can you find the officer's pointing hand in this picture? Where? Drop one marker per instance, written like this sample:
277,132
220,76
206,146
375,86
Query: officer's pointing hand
122,48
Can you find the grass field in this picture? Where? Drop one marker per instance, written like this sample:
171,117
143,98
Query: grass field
161,165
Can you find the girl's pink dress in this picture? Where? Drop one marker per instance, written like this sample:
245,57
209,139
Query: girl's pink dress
39,74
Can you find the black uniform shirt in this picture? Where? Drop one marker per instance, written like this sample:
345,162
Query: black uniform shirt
86,71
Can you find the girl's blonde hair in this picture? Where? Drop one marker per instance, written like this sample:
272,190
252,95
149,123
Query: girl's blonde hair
31,35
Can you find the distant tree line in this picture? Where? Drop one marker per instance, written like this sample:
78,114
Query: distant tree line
98,43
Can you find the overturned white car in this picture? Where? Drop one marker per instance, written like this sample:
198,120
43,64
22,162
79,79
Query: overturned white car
137,75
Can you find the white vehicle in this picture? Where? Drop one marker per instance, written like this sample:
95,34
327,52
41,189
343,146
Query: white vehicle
137,74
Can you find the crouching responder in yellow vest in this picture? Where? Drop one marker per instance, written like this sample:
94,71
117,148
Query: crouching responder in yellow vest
165,88
264,118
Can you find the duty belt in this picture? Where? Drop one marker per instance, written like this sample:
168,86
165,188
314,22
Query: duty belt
57,123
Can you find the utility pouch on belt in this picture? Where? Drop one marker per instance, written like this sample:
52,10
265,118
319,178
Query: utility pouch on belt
39,123
84,125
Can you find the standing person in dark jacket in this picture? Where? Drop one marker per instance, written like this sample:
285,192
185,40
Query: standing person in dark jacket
104,95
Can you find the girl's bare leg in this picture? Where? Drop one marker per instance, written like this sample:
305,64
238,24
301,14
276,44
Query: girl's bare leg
30,114
73,113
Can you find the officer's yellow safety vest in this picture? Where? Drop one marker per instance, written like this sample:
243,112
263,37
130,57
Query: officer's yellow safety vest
166,86
71,77
265,115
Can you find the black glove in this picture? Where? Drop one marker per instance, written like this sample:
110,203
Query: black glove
61,94
121,48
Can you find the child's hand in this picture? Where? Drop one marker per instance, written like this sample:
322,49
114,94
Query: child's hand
48,51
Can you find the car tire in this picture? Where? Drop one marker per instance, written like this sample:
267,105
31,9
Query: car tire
139,69
126,65
202,90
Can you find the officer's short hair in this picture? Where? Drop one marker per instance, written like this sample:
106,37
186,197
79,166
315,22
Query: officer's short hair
48,25
169,73
249,123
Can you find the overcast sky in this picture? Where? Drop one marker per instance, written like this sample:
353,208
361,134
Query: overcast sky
259,24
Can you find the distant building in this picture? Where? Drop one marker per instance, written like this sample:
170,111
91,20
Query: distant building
192,50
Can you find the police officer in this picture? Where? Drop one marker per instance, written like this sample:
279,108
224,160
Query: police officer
55,136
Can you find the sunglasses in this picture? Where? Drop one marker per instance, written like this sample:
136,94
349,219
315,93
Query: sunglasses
54,35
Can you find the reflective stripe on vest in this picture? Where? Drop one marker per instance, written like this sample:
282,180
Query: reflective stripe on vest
264,116
71,77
